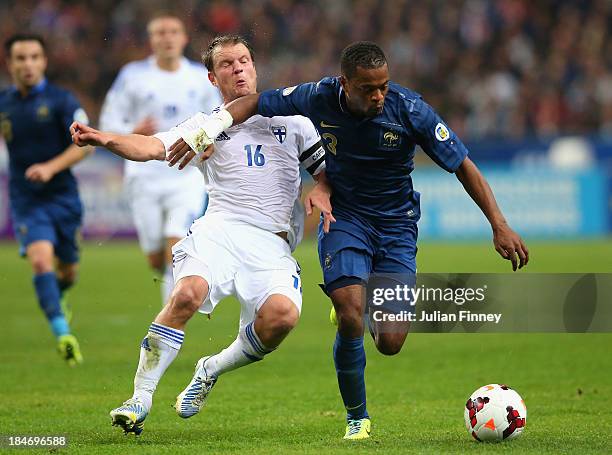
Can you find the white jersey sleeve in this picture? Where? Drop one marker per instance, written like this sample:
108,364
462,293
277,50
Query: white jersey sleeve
312,153
117,110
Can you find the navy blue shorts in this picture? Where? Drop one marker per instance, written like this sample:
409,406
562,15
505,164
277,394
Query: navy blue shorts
57,220
352,251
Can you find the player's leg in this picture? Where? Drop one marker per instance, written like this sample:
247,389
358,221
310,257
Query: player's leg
158,350
182,202
345,256
270,300
148,218
394,265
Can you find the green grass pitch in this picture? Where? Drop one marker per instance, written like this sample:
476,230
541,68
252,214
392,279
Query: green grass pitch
290,401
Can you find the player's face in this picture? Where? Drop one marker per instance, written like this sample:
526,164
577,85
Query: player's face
167,37
27,63
366,90
233,72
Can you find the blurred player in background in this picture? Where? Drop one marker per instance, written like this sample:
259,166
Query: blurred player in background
370,127
35,118
241,246
154,95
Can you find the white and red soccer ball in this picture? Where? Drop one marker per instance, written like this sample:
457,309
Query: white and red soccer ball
495,413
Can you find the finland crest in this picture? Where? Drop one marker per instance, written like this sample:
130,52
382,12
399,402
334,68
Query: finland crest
280,132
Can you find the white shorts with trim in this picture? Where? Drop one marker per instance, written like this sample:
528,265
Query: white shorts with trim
240,259
164,208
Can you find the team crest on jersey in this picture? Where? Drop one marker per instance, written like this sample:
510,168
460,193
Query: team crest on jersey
442,133
42,113
280,132
390,139
328,261
287,91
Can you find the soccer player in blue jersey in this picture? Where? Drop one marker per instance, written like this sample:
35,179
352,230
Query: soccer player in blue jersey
370,127
35,117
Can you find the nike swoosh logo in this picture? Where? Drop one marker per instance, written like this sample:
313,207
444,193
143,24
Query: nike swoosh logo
327,125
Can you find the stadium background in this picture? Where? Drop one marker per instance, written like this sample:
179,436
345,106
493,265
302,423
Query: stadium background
527,85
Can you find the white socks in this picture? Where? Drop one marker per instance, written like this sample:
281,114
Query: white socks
157,351
247,348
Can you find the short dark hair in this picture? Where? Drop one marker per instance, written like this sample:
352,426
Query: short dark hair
165,15
8,44
365,54
222,40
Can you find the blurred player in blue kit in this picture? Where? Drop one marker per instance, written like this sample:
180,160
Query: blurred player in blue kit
35,117
370,127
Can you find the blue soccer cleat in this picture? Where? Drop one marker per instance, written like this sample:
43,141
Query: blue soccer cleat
130,416
191,400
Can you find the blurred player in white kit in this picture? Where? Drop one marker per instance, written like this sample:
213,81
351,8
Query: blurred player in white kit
154,95
241,246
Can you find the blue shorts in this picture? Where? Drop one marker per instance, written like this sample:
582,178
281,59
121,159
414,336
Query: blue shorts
352,251
55,219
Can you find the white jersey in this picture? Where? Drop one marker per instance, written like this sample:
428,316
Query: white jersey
254,174
142,89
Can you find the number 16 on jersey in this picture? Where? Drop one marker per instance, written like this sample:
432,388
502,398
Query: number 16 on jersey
254,157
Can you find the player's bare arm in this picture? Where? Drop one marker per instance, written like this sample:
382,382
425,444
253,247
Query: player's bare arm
133,147
507,242
319,197
43,172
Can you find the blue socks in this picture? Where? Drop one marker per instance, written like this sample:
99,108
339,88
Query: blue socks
48,294
350,361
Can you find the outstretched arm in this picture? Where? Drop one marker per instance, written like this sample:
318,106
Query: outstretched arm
134,147
507,242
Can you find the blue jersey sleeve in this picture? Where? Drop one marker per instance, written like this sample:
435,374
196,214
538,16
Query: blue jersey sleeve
296,100
435,138
71,111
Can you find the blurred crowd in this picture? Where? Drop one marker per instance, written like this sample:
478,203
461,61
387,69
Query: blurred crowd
493,68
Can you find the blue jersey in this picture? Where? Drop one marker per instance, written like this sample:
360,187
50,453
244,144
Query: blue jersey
369,160
36,129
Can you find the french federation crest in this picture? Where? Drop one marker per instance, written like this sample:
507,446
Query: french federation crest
280,133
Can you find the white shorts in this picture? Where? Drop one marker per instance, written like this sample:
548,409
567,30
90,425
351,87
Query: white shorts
164,208
240,259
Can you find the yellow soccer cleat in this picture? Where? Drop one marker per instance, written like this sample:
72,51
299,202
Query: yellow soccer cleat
358,429
68,348
332,317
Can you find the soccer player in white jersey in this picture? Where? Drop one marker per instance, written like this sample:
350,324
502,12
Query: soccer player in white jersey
241,246
153,95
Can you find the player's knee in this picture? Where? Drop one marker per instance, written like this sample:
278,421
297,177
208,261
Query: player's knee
389,345
156,261
284,318
185,300
41,265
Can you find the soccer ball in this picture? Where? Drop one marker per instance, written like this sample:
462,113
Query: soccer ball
495,413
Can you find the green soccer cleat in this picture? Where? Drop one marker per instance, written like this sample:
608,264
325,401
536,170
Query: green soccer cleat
332,317
68,348
66,309
130,416
358,429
